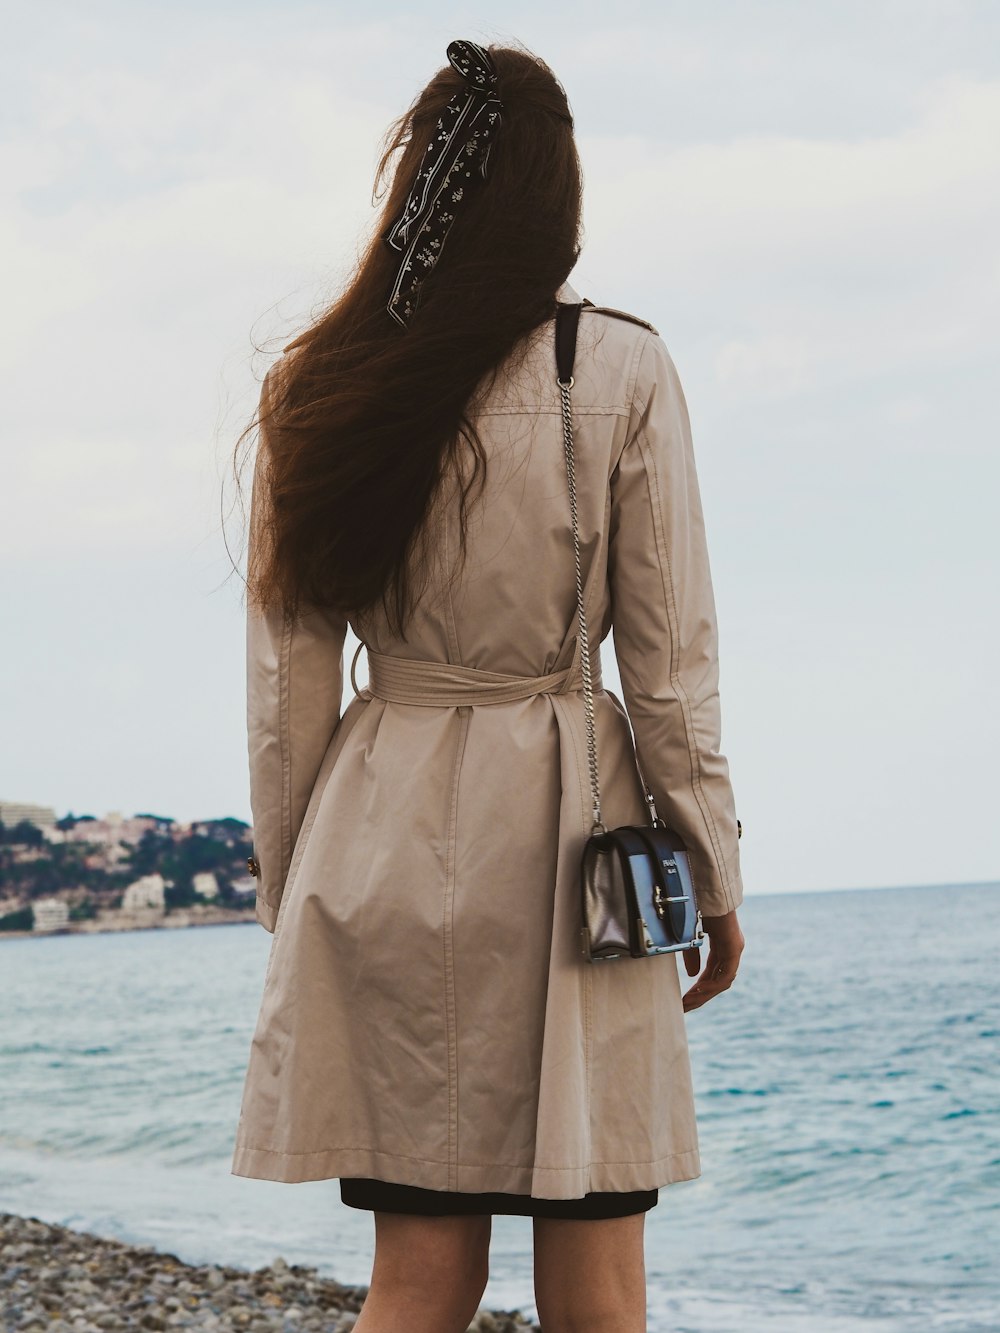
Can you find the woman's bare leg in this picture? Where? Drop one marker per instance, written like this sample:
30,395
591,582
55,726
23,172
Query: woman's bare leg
429,1273
591,1275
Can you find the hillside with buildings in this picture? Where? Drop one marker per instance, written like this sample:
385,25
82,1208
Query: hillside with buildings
84,873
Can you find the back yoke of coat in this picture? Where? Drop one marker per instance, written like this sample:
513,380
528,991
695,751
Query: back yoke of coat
427,1015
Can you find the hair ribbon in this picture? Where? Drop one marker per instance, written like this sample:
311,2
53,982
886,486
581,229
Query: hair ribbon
458,152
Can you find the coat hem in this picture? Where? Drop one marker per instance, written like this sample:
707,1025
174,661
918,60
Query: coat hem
554,1182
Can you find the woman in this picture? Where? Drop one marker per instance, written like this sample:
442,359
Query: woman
430,1032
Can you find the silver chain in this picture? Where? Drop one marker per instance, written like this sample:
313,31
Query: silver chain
588,684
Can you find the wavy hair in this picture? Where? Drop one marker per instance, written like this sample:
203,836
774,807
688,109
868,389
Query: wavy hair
359,422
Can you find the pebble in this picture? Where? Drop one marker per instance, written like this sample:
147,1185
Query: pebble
57,1280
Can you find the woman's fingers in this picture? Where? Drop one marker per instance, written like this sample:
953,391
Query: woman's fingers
722,965
718,976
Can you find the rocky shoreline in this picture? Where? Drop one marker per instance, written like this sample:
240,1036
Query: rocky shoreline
118,922
66,1281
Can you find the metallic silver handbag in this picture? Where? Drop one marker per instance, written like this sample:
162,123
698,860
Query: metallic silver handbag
638,894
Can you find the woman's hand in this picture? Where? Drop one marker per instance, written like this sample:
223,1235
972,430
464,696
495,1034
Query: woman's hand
725,947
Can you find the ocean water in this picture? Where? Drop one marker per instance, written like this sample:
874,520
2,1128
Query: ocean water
847,1086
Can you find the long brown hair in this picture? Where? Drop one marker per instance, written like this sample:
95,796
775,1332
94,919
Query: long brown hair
365,416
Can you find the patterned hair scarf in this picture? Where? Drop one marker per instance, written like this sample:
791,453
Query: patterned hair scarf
461,144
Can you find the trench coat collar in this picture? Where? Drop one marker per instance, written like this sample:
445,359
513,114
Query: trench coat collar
568,294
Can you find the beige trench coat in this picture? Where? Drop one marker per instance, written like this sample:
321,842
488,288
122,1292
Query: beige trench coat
427,1015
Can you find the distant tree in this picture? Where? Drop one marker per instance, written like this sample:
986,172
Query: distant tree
199,853
23,919
230,831
148,853
83,911
180,894
43,878
227,893
23,834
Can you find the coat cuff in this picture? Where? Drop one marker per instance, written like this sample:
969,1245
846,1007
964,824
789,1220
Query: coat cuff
267,915
721,890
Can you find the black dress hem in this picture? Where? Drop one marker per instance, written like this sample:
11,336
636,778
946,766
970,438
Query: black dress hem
389,1197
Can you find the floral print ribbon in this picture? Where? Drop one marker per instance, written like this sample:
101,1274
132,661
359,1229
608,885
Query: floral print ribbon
460,146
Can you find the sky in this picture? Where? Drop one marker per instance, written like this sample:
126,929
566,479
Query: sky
803,198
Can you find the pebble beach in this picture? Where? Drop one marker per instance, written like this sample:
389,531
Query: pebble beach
66,1281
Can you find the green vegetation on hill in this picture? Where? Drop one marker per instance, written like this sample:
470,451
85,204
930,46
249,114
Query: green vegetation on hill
90,875
20,920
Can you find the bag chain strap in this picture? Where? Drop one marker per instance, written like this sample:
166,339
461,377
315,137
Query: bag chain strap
584,640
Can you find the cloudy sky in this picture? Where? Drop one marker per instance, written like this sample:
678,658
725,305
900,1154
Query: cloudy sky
803,198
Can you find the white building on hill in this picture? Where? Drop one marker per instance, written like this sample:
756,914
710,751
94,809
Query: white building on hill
145,894
205,884
42,816
49,914
245,886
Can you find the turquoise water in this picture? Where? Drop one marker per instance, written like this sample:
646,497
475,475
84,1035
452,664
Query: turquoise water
848,1102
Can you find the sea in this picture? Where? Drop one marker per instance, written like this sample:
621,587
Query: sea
847,1085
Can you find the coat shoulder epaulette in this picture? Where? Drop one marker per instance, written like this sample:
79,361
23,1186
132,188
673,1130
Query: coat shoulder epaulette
623,314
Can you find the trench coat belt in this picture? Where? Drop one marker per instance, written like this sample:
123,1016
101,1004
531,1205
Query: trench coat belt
410,680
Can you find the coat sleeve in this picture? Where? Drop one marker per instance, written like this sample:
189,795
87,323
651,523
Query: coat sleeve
294,692
665,630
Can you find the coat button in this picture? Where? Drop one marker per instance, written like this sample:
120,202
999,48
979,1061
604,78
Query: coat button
253,866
